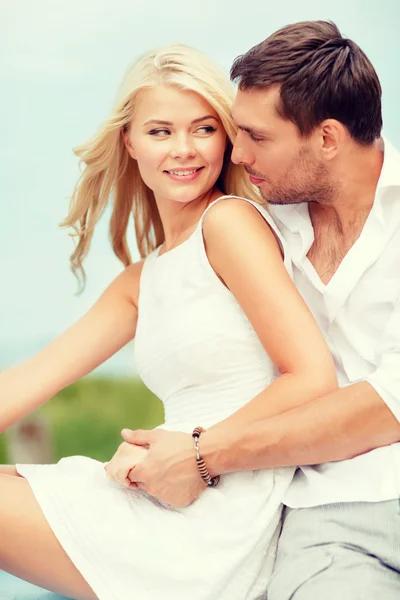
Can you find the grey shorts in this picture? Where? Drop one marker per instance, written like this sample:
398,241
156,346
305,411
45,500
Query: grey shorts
339,552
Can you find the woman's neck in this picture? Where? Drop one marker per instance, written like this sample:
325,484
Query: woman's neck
180,219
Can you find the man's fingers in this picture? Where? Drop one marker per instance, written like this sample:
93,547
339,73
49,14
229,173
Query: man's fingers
138,485
131,479
140,437
134,475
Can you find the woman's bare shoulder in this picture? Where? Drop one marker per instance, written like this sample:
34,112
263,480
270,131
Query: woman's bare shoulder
236,222
129,280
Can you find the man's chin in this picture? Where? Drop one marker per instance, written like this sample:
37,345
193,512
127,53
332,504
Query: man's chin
274,201
273,197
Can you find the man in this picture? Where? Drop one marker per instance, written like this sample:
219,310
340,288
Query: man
308,110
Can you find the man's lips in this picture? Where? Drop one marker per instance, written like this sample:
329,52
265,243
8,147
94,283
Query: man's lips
255,180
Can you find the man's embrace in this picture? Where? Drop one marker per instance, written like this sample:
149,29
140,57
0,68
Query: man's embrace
308,110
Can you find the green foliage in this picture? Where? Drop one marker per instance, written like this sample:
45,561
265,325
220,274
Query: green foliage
3,453
86,418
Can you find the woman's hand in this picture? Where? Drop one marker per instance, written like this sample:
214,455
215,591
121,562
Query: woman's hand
126,457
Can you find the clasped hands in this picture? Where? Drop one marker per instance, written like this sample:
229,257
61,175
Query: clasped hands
160,462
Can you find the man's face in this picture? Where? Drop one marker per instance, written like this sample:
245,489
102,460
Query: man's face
282,164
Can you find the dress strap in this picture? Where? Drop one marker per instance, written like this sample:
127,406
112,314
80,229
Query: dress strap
265,214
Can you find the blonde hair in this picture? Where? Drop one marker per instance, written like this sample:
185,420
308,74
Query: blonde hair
110,171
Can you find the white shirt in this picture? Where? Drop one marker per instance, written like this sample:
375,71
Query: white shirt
358,312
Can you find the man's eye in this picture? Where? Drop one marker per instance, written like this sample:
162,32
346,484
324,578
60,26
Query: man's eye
159,132
255,138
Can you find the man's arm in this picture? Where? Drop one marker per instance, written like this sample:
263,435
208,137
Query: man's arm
340,425
337,426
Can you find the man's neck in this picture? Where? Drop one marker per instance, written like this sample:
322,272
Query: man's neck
338,223
357,176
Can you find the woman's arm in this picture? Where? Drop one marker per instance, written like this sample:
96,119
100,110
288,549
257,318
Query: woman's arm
243,251
103,330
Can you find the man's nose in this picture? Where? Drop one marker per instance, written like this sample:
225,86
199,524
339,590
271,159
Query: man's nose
239,154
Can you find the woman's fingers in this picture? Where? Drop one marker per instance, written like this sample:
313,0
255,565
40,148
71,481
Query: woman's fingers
122,475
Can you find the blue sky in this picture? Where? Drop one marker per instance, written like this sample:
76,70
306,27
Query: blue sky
61,63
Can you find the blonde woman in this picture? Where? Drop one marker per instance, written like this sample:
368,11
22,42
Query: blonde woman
212,308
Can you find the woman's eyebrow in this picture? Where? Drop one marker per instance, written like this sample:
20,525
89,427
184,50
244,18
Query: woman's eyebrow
204,119
159,122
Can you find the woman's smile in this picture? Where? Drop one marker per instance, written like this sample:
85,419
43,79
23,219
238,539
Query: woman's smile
184,174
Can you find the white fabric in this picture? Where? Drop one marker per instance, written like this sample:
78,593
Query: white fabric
197,351
359,315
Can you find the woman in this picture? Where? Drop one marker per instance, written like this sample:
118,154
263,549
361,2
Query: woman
212,308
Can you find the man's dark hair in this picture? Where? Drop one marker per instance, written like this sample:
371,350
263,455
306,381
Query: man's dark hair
321,74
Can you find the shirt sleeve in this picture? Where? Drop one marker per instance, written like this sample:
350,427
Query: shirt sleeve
386,378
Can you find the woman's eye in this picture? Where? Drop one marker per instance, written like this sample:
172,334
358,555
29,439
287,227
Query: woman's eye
206,129
159,132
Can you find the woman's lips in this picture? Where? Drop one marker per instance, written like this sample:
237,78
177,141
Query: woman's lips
183,177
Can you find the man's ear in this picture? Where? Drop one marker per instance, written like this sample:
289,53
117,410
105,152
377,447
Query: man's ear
128,143
333,135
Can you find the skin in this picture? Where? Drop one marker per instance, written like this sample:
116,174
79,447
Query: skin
241,247
338,178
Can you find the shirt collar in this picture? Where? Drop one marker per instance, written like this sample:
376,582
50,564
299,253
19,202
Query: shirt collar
294,223
294,217
388,179
390,173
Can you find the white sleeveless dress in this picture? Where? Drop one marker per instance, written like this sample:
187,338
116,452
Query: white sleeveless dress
196,350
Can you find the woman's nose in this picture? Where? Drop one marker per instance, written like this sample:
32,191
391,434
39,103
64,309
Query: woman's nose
183,147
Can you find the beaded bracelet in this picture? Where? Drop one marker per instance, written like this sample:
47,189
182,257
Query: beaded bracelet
205,475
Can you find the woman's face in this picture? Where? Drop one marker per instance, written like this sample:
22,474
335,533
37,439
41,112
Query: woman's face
178,142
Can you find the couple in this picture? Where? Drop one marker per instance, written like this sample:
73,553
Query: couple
254,380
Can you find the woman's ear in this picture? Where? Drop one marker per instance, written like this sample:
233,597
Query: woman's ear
128,143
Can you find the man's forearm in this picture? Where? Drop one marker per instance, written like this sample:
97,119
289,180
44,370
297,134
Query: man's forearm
340,425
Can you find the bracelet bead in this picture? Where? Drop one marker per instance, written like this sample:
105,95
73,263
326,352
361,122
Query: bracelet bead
205,475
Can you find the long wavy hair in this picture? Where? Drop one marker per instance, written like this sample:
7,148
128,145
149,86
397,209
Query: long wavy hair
109,172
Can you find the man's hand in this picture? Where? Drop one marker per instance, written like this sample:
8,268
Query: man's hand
126,457
169,472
